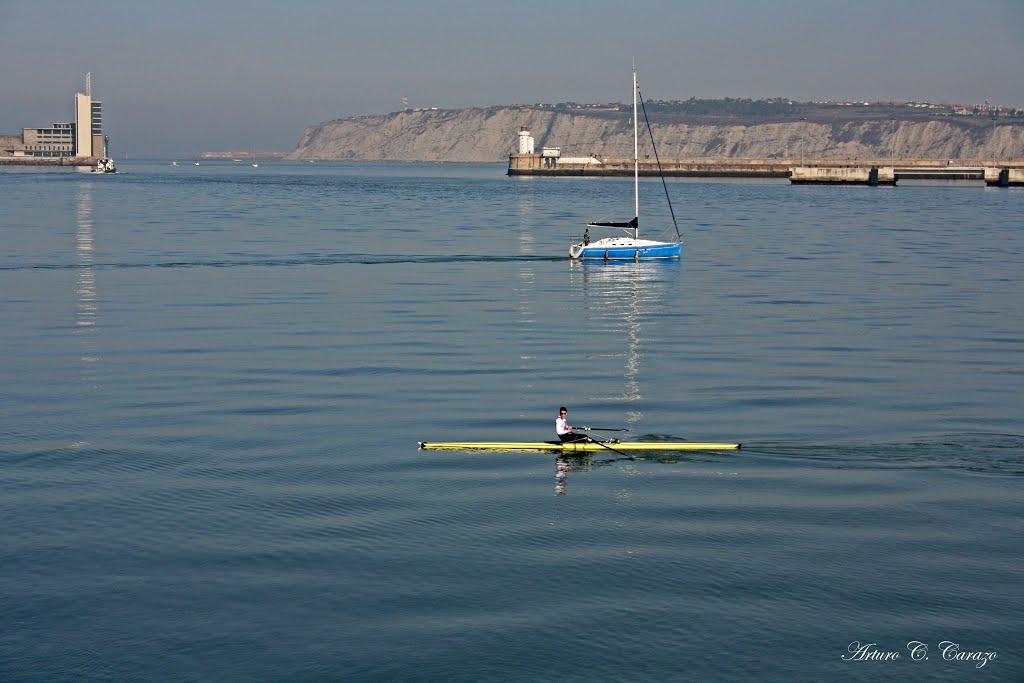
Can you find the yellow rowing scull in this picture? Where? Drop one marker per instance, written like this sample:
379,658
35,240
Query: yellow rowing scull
577,446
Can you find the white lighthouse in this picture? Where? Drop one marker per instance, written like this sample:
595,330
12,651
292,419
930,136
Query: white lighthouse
525,141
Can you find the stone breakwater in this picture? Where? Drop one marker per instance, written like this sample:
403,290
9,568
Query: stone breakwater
797,170
48,161
488,135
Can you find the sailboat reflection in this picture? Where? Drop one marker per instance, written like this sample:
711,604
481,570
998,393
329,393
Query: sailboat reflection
85,286
621,296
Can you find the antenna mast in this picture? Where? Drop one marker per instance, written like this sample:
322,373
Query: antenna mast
88,83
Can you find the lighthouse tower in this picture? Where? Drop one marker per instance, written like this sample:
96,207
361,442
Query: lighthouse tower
525,141
524,160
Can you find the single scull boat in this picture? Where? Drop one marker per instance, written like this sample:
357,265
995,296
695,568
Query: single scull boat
577,446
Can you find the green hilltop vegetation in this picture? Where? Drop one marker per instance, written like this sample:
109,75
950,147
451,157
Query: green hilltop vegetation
744,111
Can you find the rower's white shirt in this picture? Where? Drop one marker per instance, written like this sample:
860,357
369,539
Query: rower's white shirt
561,426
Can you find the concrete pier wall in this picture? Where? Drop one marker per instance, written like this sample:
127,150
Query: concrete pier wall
48,161
994,176
887,175
803,174
1004,177
535,164
840,170
843,175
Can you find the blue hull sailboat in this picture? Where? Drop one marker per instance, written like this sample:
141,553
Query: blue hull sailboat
629,246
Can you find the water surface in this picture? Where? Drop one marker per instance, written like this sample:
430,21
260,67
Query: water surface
214,379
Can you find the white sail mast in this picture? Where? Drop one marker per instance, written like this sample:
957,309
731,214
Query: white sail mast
636,163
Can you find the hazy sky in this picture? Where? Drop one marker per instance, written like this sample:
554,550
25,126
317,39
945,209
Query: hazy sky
182,76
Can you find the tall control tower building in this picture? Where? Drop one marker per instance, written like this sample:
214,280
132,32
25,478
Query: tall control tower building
88,122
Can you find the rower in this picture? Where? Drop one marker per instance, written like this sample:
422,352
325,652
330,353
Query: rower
563,430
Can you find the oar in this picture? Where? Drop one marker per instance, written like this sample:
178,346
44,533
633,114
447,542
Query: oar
624,455
600,429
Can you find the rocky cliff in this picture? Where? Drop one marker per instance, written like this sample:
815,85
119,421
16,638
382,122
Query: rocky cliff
488,135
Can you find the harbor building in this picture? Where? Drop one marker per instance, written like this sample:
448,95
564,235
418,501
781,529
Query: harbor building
82,138
56,140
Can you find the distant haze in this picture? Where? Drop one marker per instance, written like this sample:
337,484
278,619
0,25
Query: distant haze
186,76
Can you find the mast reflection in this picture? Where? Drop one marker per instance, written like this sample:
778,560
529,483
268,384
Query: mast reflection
622,295
85,284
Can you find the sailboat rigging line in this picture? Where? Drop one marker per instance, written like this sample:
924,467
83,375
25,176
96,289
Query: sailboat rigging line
658,159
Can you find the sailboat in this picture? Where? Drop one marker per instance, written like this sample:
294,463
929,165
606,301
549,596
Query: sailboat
629,246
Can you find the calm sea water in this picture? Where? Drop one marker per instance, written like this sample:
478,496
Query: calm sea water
213,380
